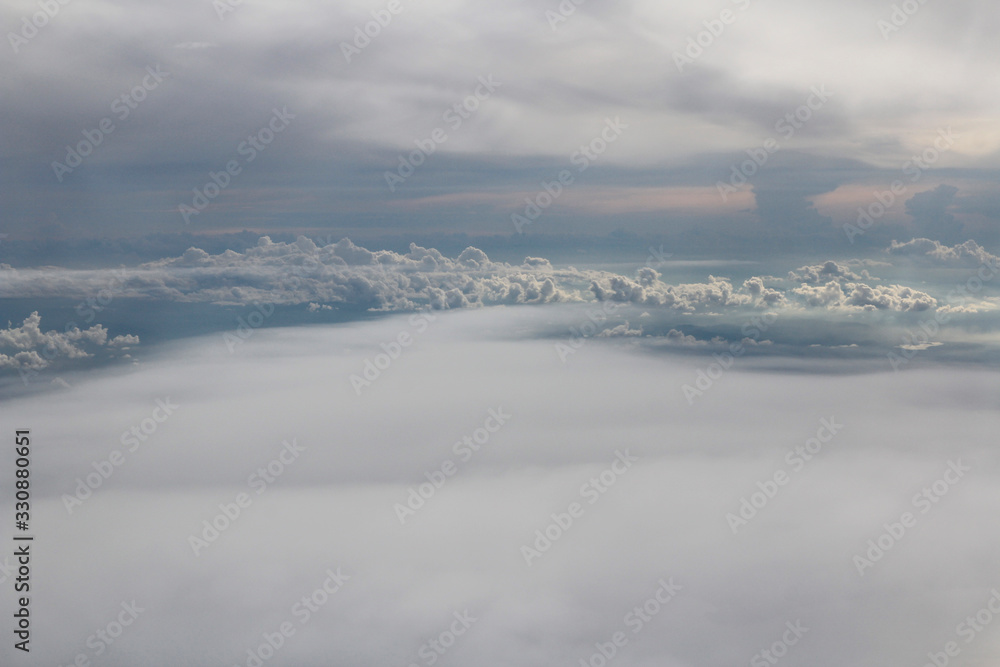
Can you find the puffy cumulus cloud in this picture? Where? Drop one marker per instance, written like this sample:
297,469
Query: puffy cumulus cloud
28,348
537,263
826,295
302,272
963,254
866,297
822,273
719,293
888,297
753,342
620,331
766,296
675,337
649,290
968,309
343,273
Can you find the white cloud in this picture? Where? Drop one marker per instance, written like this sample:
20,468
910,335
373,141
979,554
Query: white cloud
650,291
861,296
823,273
28,348
888,297
666,517
347,274
621,330
963,254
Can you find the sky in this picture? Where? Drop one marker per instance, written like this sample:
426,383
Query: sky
533,333
554,80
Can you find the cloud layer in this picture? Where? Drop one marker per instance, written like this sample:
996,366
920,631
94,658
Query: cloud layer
313,283
344,273
665,516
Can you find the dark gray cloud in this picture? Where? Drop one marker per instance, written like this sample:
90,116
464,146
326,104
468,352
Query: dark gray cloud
931,218
354,119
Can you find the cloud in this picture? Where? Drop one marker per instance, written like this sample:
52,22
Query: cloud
648,290
664,518
766,296
675,337
969,253
622,330
344,273
897,298
824,272
888,297
28,348
196,45
930,216
824,296
355,118
302,272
